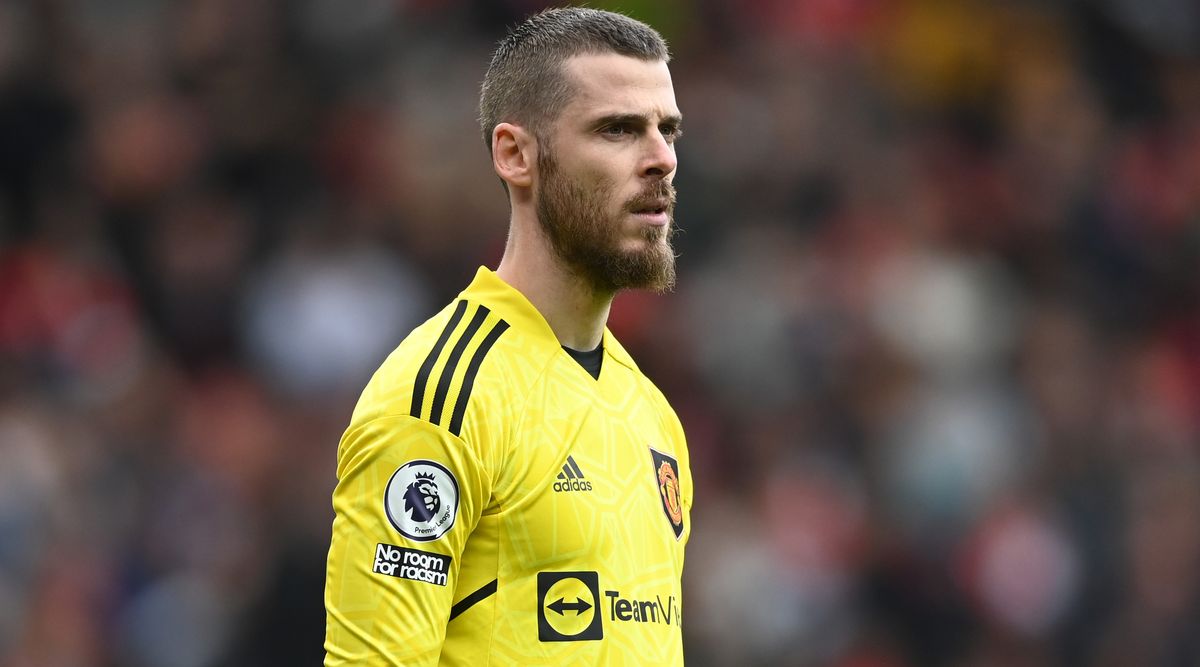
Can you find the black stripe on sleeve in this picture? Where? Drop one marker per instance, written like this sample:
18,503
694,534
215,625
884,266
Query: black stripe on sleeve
473,599
464,394
443,386
418,397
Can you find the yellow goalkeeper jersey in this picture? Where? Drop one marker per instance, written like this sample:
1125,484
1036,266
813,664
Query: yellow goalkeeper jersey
498,505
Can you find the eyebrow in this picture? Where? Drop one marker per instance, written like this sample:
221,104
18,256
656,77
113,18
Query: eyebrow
637,119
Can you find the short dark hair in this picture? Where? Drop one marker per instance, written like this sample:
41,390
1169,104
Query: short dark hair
525,83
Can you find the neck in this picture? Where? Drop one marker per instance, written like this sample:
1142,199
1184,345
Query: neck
575,311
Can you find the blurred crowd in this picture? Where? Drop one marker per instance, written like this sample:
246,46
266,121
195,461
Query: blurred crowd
936,342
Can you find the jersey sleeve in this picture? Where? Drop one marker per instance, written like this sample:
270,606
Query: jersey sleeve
408,494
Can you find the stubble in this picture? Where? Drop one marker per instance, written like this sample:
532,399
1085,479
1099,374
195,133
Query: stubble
587,240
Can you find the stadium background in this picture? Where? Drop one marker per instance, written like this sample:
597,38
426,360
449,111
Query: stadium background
936,343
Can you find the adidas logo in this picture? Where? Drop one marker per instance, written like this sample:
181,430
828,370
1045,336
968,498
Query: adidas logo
571,478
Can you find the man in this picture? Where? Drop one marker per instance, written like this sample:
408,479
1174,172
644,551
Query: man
511,489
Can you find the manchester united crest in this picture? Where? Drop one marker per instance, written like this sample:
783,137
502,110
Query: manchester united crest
666,476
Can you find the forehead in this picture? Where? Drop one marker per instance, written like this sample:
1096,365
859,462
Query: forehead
611,83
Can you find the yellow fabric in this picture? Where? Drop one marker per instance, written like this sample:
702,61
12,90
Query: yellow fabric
570,494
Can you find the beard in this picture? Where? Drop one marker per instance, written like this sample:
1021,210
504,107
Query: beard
573,216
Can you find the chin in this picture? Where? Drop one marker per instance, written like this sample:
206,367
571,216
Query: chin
642,246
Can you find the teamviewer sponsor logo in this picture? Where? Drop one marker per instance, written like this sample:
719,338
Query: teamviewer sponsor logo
412,564
657,610
571,478
569,607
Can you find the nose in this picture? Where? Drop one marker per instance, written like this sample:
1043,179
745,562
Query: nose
660,158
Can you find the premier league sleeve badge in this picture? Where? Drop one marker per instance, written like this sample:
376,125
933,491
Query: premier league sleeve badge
422,500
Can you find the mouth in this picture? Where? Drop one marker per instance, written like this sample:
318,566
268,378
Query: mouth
653,211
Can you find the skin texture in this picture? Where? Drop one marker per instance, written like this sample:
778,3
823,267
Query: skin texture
592,200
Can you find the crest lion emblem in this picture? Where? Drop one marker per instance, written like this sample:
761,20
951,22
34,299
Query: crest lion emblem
421,498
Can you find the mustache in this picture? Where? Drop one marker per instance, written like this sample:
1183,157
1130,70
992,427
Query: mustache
660,194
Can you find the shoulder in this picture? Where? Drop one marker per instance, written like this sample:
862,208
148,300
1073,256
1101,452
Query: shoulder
390,390
457,371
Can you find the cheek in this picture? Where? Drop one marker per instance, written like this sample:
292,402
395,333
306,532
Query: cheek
603,193
599,180
604,171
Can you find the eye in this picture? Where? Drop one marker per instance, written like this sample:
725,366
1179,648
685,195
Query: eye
615,130
671,133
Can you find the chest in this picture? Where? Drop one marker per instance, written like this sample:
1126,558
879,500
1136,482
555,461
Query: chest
595,478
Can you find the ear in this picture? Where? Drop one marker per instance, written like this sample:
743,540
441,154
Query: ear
514,154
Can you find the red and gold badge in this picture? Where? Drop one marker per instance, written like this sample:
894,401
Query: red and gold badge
666,470
668,486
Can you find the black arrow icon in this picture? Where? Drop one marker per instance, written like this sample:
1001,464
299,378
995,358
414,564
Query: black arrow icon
579,606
